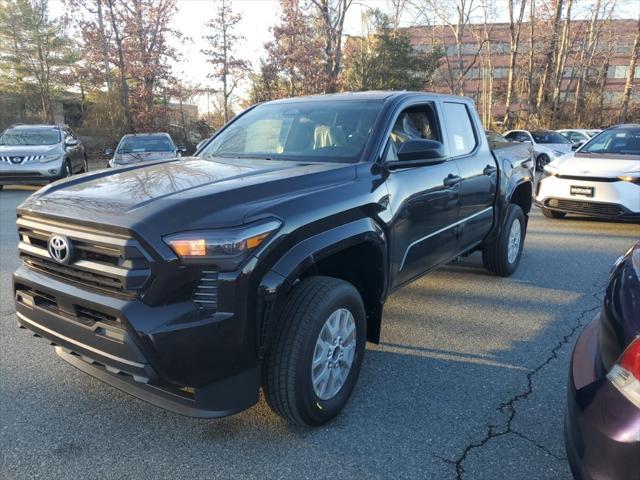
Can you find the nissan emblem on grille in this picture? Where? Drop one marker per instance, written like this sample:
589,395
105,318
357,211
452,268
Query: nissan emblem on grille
60,249
16,160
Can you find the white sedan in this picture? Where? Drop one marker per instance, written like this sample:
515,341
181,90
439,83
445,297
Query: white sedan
600,179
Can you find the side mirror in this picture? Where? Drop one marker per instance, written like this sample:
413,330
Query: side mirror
576,146
108,151
182,148
70,142
418,152
421,149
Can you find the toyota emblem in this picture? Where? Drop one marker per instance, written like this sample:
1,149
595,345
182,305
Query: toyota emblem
60,249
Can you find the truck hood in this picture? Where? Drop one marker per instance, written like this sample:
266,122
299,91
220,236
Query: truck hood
595,165
185,193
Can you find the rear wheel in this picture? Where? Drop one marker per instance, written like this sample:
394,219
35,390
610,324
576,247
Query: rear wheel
313,365
552,213
541,161
502,256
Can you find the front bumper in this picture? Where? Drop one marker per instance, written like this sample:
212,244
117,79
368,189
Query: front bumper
600,424
612,199
30,173
153,353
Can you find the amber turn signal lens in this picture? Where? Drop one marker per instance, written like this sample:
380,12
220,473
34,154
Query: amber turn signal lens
254,242
189,248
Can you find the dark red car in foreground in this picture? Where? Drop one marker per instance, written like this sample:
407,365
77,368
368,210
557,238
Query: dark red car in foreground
602,427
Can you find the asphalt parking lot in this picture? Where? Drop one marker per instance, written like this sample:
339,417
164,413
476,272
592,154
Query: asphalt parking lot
468,382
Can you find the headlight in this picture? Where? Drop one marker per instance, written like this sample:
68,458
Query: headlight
630,178
548,171
50,158
226,248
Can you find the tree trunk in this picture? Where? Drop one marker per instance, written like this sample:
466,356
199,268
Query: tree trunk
628,87
560,63
587,52
514,30
128,117
551,56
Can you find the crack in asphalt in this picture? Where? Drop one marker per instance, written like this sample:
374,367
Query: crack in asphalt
509,407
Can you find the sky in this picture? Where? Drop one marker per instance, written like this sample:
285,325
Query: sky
259,15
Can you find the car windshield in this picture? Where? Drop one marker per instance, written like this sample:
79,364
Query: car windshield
328,131
548,137
618,141
158,143
30,136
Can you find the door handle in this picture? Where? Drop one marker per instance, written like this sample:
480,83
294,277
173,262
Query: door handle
451,180
489,170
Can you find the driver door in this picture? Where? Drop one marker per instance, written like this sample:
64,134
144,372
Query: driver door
425,200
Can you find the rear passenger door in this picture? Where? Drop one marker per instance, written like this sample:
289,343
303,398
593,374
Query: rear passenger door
478,172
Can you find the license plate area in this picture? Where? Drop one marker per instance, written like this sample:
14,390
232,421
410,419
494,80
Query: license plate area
580,191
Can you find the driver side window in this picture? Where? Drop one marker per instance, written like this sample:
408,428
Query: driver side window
414,122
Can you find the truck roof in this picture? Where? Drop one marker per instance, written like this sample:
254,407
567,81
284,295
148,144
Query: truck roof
367,95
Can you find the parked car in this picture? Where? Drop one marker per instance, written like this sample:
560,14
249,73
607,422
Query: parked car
144,147
601,179
37,154
266,260
578,136
547,144
602,423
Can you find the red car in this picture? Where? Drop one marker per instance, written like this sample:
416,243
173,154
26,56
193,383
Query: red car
602,426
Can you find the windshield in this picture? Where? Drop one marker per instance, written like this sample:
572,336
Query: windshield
31,136
548,137
158,143
330,131
619,141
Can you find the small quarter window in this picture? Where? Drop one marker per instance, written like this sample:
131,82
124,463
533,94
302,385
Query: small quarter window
462,139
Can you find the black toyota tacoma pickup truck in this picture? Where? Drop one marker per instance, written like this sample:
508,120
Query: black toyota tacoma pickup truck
265,260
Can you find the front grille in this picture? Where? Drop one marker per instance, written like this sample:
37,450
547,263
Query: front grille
78,313
581,206
107,262
19,159
589,179
18,175
206,292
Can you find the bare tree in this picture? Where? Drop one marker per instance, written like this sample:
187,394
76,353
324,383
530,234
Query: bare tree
228,68
551,55
124,86
515,26
331,15
561,59
628,87
456,15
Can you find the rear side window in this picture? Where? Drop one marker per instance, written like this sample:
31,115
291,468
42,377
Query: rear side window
462,138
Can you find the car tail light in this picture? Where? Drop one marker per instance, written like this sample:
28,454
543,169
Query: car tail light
625,374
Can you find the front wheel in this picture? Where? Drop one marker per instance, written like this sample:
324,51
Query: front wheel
502,256
85,164
541,161
312,367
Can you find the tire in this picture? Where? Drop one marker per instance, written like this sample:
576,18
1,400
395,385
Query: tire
85,165
287,374
497,256
68,171
552,213
541,161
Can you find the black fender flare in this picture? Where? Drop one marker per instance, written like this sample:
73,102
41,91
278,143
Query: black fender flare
276,284
519,177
